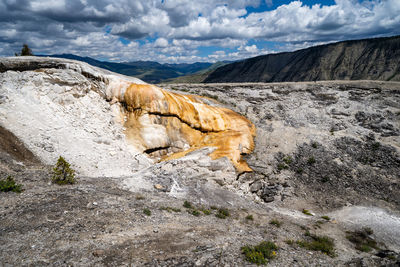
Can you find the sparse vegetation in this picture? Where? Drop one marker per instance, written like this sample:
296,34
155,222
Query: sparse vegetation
261,253
307,212
205,211
318,223
147,212
319,243
222,213
191,209
63,173
194,212
249,217
314,145
187,205
362,240
288,160
170,209
276,222
326,218
282,166
8,184
311,160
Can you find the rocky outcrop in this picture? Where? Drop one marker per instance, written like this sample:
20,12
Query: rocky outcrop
94,117
331,142
158,120
369,59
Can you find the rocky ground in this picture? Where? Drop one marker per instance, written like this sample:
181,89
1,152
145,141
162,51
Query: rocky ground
332,148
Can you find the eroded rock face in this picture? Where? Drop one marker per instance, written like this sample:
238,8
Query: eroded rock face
158,119
65,107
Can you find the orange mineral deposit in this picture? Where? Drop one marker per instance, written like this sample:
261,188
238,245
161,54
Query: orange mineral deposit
178,123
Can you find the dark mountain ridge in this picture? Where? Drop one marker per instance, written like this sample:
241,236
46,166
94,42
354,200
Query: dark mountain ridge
367,59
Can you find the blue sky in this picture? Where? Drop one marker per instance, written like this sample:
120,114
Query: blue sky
176,31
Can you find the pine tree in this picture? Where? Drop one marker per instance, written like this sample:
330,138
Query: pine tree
25,51
62,173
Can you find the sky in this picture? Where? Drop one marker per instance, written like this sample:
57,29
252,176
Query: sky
186,31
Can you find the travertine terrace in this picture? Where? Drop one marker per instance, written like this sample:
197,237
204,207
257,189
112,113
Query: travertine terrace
155,122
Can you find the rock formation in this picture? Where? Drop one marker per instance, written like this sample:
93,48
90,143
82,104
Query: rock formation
76,121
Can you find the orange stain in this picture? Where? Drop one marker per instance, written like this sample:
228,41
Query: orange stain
158,118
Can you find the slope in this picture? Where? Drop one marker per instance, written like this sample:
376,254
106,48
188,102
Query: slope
368,59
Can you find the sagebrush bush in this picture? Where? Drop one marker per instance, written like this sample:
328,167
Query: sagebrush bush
8,184
222,213
261,253
63,173
319,243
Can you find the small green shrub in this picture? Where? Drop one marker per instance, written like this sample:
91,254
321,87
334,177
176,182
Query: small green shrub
326,218
314,145
194,212
368,230
205,211
299,170
249,217
307,212
282,166
188,205
213,207
261,253
275,222
362,240
364,248
62,173
319,243
311,160
222,213
147,212
8,184
288,160
170,209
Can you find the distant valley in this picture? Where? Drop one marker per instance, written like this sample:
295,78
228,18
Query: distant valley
148,71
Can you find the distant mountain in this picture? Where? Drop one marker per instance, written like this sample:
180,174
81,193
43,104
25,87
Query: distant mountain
148,71
198,76
367,59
